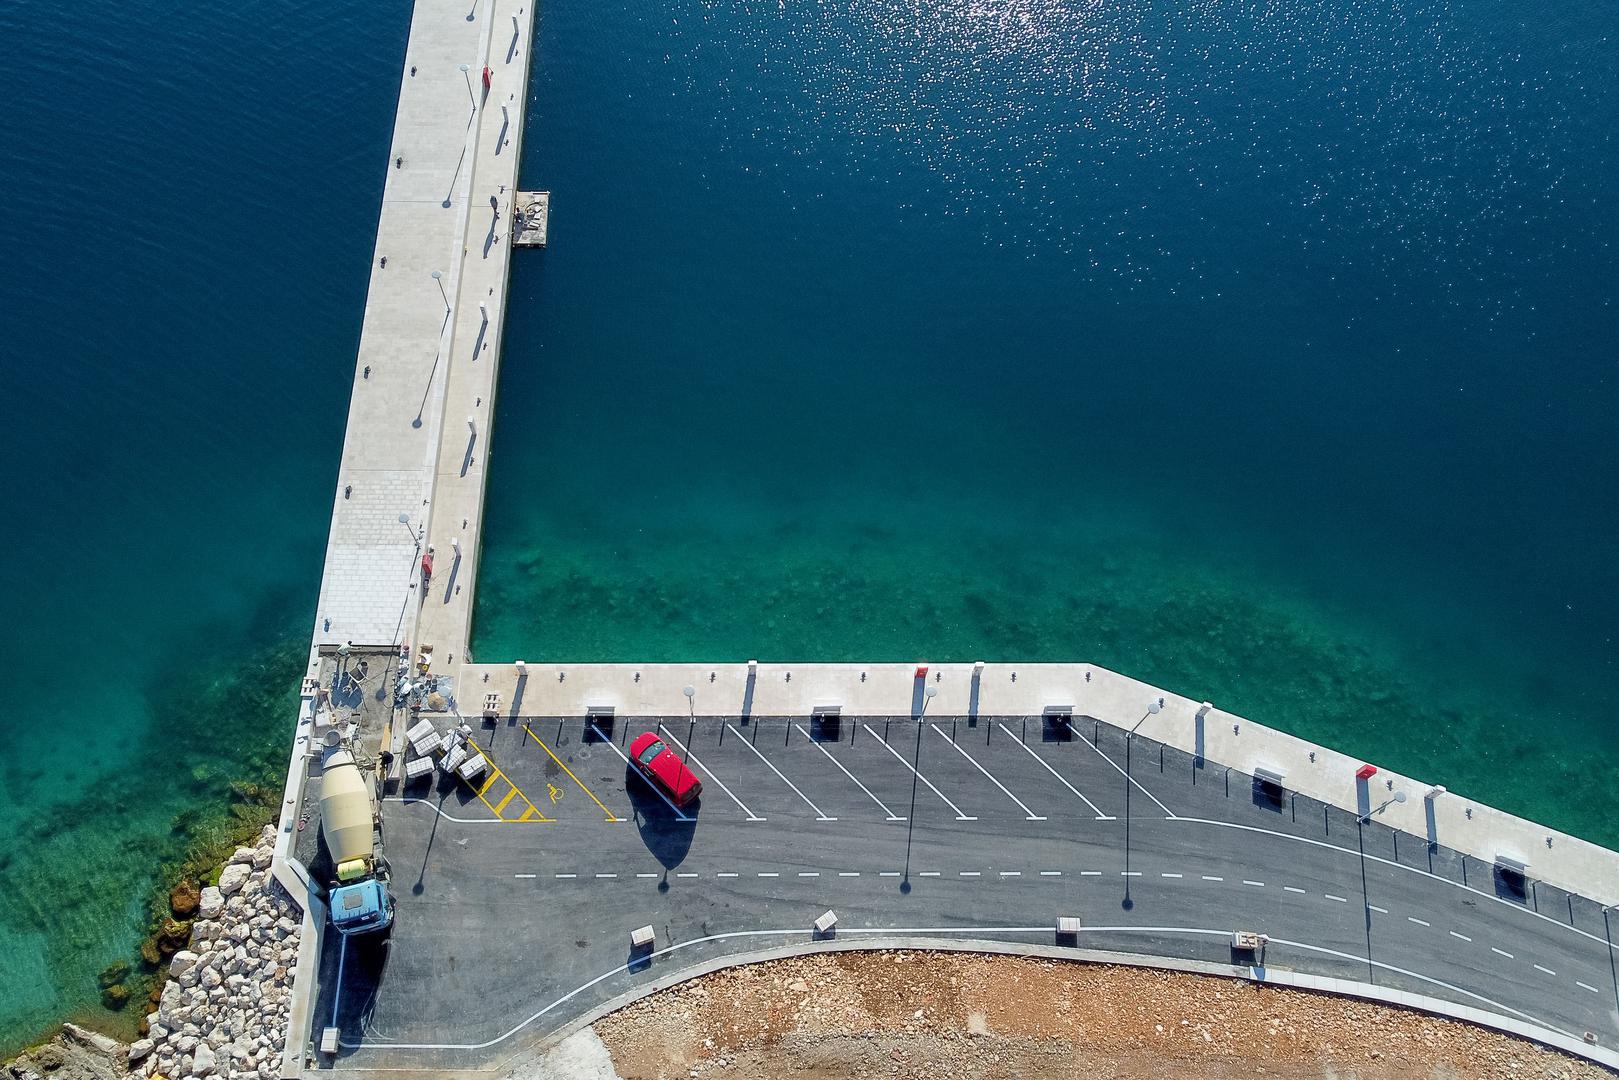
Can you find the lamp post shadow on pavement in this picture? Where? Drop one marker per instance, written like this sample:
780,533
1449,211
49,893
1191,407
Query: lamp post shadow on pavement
928,694
1129,738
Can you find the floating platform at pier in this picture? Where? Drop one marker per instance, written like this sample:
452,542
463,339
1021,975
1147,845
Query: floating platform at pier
531,218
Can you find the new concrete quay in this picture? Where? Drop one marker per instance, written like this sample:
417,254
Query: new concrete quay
950,805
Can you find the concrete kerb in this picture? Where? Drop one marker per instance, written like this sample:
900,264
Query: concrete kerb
1262,976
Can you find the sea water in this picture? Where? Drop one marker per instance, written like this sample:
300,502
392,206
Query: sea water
1262,351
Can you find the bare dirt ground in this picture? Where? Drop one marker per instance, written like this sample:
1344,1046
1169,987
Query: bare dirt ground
903,1015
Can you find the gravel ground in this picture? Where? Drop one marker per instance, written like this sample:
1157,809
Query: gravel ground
901,1015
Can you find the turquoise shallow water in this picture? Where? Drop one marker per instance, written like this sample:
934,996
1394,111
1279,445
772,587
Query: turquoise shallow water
1265,352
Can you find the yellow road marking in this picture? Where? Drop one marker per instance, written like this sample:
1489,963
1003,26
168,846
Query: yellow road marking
510,795
532,814
610,815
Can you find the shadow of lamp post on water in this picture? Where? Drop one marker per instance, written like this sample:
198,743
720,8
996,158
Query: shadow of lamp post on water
1129,737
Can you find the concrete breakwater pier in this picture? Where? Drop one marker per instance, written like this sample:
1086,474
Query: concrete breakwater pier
1040,772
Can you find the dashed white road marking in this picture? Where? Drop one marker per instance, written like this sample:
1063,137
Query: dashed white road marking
901,759
1211,877
1255,884
768,873
970,873
1129,873
1292,888
646,875
1030,814
687,752
567,875
1045,765
1379,910
809,873
679,814
525,876
1170,875
1501,952
891,815
722,874
1090,873
819,814
607,875
929,873
1051,873
1419,922
1011,873
1586,986
1464,937
848,873
888,873
685,875
1338,899
1547,970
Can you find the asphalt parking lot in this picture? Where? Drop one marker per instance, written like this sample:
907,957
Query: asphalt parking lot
516,900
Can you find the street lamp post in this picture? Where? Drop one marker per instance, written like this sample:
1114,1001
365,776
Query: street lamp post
1398,797
404,519
691,715
438,276
466,73
1129,737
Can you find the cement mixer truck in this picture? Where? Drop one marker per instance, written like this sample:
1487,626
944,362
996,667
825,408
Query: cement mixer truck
359,897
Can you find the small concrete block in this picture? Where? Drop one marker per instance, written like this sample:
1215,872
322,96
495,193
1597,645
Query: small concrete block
1068,926
420,730
472,767
418,767
328,1041
826,922
642,937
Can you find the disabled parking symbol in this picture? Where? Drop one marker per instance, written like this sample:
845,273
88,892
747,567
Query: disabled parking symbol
555,793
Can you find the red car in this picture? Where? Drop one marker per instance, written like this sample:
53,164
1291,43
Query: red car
659,765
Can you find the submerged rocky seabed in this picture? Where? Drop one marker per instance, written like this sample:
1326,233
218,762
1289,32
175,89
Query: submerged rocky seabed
90,874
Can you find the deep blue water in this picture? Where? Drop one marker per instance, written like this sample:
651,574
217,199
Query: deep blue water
1263,350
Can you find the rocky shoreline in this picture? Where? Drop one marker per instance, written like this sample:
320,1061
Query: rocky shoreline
222,1012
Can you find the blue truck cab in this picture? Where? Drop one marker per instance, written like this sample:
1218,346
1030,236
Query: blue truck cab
362,908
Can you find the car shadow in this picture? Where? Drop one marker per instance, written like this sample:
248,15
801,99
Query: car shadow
663,832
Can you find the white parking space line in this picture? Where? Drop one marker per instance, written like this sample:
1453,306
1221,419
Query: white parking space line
1030,814
901,759
891,815
679,816
687,753
1463,937
819,815
1134,783
1060,779
1586,986
1501,952
1547,970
